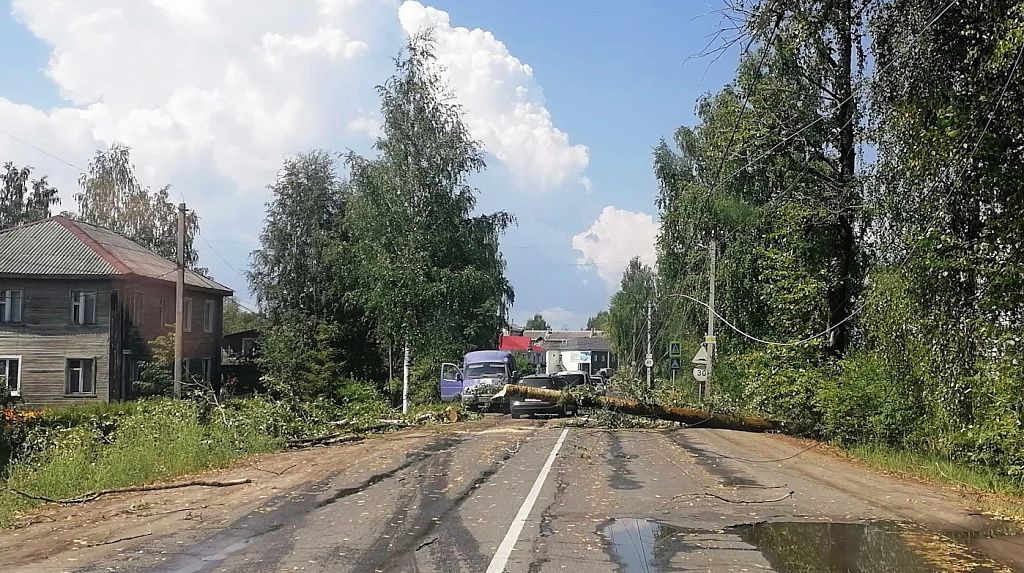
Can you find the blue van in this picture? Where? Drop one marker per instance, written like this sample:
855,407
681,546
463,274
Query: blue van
482,374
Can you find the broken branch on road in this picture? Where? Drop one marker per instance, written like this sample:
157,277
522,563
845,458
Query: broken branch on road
324,440
94,495
736,501
119,539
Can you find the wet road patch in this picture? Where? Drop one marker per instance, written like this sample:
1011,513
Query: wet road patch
649,546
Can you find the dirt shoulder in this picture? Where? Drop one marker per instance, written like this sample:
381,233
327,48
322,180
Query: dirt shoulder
86,533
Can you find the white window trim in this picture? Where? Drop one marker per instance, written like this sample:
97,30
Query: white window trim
20,363
186,313
67,376
6,294
252,346
209,310
137,304
81,304
206,368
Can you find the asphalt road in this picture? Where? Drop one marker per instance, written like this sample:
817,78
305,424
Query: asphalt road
533,497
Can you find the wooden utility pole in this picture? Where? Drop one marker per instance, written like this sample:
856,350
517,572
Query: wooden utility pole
179,303
710,339
405,380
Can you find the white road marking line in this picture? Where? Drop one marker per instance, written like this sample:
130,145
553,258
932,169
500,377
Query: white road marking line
512,535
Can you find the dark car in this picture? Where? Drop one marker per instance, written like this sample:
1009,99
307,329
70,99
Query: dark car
527,406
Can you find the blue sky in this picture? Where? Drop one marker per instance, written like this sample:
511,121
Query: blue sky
601,87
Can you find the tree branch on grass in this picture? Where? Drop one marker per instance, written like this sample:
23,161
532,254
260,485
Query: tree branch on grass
94,495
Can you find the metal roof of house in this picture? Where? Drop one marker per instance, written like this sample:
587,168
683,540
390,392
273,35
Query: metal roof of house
570,339
59,246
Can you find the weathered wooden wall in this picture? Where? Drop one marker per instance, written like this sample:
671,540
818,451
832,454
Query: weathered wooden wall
46,338
141,330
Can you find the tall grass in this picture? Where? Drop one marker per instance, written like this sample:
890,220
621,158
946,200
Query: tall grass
73,451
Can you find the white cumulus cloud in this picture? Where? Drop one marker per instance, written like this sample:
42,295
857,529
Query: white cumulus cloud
504,104
212,95
613,239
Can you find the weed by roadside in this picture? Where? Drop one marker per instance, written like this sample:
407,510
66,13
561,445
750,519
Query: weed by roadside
66,452
995,493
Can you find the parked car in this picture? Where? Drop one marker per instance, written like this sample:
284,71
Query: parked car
528,406
574,377
581,378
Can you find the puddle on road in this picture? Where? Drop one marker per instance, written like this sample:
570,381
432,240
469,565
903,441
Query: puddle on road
648,546
644,545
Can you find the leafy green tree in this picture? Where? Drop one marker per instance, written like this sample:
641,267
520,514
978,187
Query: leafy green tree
236,318
537,322
599,321
23,199
112,197
948,200
303,275
627,315
430,273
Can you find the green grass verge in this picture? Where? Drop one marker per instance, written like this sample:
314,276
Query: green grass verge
67,452
995,492
147,442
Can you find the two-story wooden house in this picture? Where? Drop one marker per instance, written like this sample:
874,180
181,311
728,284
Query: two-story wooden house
79,305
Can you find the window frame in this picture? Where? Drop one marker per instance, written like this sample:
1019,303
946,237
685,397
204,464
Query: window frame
136,304
6,358
6,297
81,302
252,347
206,368
67,375
163,311
186,314
209,315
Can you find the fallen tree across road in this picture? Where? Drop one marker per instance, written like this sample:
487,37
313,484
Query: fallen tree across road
689,416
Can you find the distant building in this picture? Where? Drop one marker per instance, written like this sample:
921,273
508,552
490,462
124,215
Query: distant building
586,350
79,305
240,346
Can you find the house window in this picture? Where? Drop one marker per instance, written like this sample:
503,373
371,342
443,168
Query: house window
248,347
80,376
207,368
164,312
188,315
133,371
136,308
83,307
10,306
209,310
10,371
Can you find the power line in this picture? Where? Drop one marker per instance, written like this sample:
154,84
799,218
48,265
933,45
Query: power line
44,152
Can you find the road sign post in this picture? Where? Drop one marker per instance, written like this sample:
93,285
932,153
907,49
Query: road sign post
701,362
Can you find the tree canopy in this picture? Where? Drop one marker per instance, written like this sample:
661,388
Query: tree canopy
537,322
23,198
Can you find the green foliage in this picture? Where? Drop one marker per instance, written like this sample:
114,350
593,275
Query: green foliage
316,333
523,365
627,317
429,272
599,321
22,199
238,319
537,322
112,197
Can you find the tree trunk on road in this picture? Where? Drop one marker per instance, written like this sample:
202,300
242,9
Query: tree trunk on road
690,416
